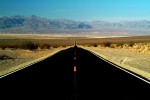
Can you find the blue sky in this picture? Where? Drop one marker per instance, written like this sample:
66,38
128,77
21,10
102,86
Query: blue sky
85,10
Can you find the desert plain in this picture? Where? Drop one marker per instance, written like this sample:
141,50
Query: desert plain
18,51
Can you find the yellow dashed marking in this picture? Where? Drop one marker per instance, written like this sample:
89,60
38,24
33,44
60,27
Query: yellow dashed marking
75,68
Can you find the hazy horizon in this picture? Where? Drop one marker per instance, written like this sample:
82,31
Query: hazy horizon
79,10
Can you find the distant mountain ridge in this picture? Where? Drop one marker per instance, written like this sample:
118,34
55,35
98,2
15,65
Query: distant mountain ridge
35,24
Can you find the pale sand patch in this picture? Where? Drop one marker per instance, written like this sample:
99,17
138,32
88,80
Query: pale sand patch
132,59
23,58
33,36
51,36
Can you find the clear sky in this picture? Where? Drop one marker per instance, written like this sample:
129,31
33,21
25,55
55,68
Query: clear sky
84,10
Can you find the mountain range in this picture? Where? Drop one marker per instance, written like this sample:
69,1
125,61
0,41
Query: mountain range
36,24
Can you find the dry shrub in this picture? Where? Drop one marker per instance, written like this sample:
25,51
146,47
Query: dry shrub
45,46
95,45
3,47
130,44
106,44
29,45
5,57
55,46
120,44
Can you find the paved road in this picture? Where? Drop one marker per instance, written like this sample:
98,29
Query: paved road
75,74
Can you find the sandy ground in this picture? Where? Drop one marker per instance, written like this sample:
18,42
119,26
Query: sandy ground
136,58
23,58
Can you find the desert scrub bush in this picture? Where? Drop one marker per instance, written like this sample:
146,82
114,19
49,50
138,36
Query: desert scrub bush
5,57
3,47
106,44
64,46
29,45
15,46
119,44
95,45
55,46
130,44
45,46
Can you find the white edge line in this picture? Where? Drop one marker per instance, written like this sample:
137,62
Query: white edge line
30,64
117,66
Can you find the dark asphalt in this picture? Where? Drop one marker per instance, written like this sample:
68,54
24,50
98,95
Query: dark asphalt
55,79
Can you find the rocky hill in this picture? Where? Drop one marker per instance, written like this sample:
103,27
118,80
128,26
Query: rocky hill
35,24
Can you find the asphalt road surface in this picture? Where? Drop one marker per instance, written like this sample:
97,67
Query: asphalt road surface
74,74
